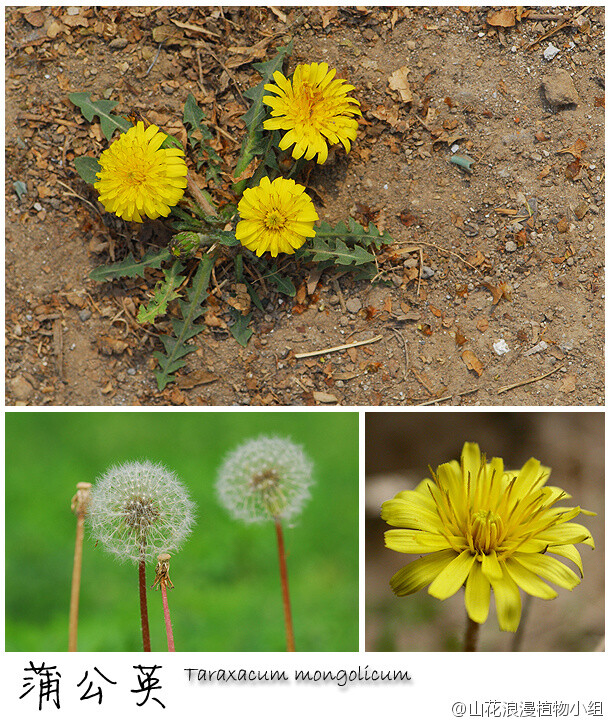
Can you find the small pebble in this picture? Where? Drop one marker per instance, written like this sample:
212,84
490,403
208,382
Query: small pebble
500,347
427,272
353,305
84,315
510,247
550,52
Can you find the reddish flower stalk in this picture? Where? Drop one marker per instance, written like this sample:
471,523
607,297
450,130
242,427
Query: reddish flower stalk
162,580
143,606
285,592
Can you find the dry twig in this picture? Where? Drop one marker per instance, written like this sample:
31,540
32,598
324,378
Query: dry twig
339,347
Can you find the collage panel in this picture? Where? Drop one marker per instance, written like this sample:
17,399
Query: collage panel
485,530
360,206
258,512
304,362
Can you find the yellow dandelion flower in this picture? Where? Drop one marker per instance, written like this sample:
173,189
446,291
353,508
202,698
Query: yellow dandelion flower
486,528
312,109
140,178
276,217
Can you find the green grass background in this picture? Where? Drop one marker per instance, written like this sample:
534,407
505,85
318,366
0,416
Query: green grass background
227,591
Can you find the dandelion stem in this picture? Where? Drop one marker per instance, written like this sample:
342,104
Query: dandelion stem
198,196
162,580
285,592
472,635
79,506
143,606
168,621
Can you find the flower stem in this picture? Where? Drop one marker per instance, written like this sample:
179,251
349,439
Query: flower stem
143,606
79,506
284,580
197,195
168,621
472,635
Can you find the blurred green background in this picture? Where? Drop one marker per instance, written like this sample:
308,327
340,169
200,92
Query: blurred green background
227,590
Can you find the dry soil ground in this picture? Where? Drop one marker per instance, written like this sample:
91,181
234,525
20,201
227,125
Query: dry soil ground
493,293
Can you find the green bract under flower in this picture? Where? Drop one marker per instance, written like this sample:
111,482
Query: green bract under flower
485,528
138,177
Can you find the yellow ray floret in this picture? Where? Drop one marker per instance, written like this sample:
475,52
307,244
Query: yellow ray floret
138,177
485,528
275,217
314,109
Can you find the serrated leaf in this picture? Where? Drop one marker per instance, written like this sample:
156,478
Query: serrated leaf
128,267
198,135
337,251
87,168
109,122
253,143
354,233
184,329
164,293
239,329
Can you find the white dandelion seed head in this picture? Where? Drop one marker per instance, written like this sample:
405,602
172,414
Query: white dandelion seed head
139,510
265,478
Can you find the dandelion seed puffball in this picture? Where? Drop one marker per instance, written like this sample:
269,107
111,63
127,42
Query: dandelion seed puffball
265,478
139,510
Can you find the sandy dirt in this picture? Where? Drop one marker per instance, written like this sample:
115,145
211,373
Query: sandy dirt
493,292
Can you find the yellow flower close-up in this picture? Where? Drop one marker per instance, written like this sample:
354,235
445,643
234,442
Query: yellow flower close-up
275,217
138,177
488,529
314,109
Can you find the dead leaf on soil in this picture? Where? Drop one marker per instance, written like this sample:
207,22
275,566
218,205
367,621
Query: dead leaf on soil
575,149
504,18
503,290
568,384
111,345
398,82
324,398
472,362
212,320
192,380
328,14
573,170
460,338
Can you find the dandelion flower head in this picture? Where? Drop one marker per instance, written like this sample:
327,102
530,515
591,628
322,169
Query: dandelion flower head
313,109
265,478
276,216
138,177
139,510
488,529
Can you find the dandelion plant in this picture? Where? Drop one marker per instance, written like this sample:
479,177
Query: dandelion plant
139,510
486,528
268,479
265,214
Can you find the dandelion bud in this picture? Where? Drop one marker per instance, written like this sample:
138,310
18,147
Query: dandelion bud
139,510
185,244
264,479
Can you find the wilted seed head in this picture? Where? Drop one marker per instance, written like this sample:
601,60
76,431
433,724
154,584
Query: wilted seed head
139,510
265,478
